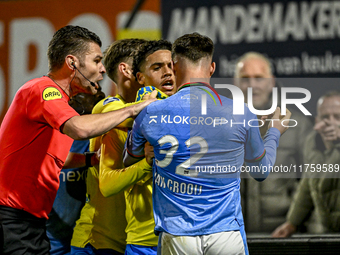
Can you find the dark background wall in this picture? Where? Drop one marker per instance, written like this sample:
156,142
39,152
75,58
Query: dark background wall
301,38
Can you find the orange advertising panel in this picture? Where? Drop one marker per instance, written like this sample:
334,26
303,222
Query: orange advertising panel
27,26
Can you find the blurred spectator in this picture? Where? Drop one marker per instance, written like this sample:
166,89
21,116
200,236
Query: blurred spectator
72,190
265,205
318,192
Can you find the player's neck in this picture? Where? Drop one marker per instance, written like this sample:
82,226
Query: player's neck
192,78
193,73
128,91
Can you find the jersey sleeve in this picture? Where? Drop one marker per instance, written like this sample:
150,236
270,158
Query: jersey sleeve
113,176
259,154
54,110
134,150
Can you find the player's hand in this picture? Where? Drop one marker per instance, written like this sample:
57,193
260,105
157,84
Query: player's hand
137,108
149,153
278,119
284,230
151,95
264,124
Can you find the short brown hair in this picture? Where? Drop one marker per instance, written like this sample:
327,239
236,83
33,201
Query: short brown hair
193,47
120,51
69,40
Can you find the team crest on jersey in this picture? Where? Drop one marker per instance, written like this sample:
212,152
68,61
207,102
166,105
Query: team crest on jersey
189,96
51,93
110,99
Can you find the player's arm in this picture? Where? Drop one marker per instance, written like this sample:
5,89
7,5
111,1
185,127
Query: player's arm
92,125
128,157
127,123
260,155
262,163
134,147
77,160
135,143
113,176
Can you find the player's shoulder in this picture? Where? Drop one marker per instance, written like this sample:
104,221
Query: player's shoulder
152,109
111,99
159,103
42,87
235,103
226,100
108,104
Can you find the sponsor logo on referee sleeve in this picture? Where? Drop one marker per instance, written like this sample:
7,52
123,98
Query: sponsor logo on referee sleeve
51,93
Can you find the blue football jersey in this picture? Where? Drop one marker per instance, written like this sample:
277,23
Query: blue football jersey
200,147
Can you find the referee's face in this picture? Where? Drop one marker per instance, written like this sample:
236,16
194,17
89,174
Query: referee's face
157,71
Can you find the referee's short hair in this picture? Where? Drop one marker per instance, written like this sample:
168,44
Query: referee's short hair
74,40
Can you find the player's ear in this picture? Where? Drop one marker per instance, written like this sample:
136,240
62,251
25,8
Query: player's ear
212,68
70,61
174,67
125,70
140,78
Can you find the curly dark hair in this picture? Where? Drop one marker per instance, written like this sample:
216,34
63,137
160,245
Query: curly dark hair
193,47
146,50
120,51
72,40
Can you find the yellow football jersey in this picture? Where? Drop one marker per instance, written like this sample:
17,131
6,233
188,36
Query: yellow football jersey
102,222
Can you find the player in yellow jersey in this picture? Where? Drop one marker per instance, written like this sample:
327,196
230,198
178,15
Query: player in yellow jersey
101,227
152,67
